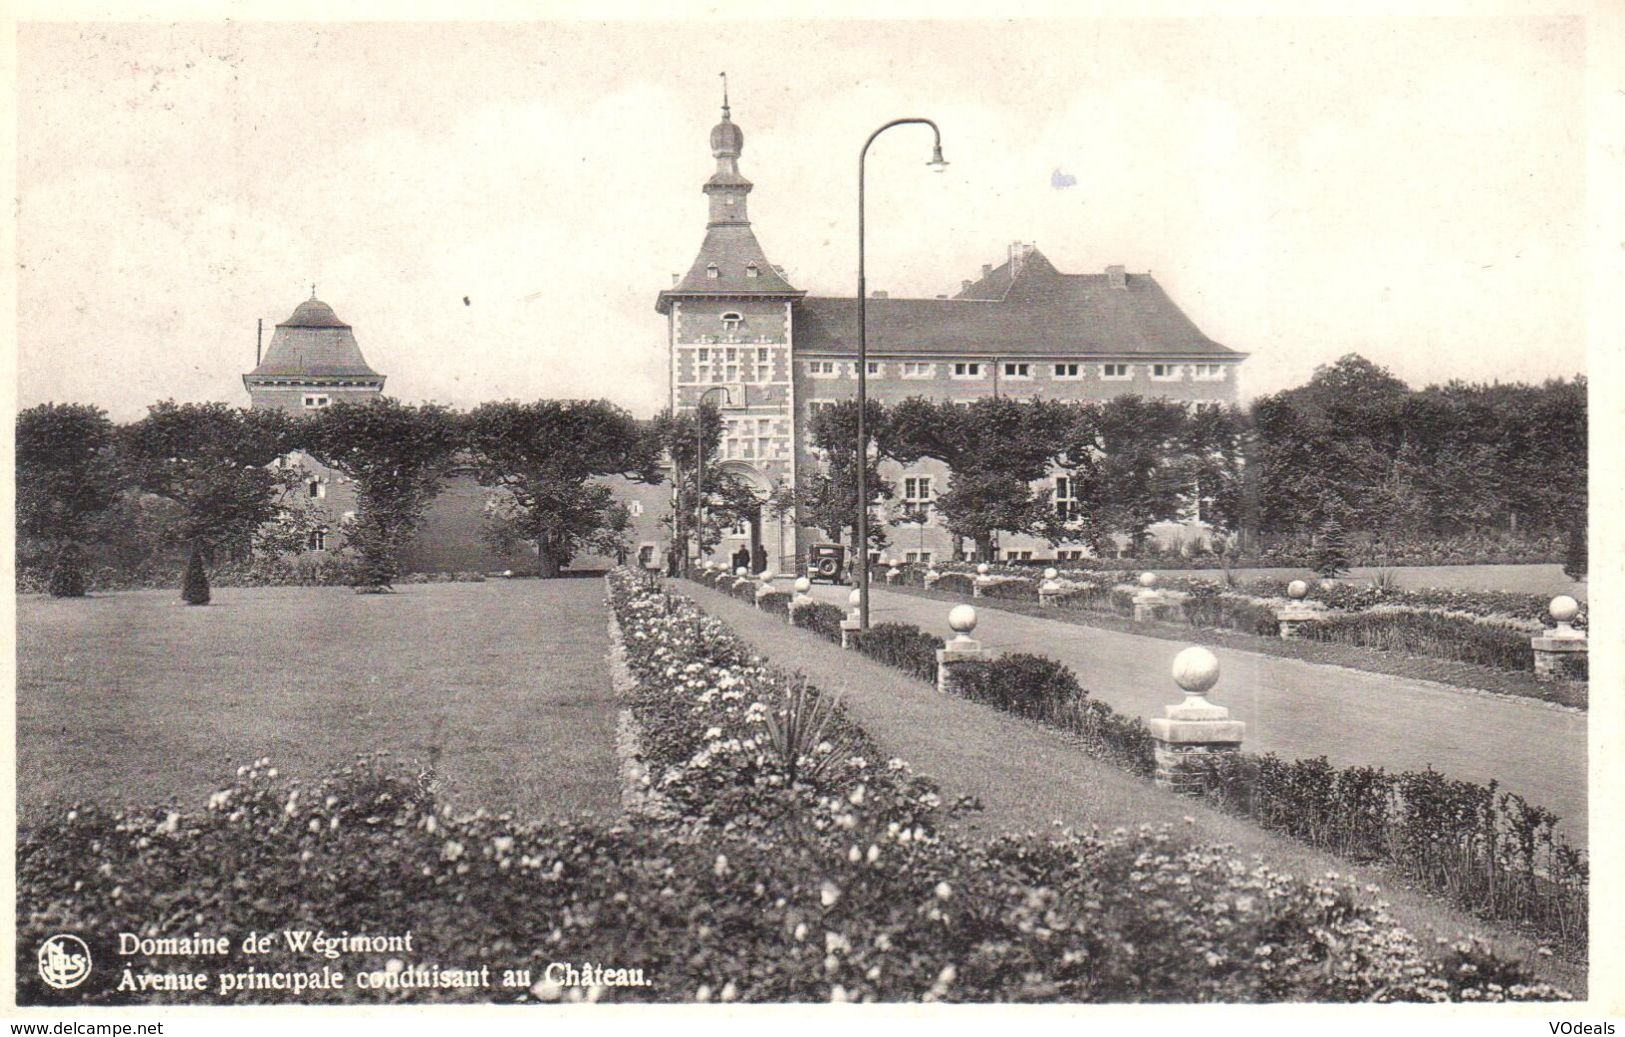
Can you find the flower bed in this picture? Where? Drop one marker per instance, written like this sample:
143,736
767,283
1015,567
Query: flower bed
1460,638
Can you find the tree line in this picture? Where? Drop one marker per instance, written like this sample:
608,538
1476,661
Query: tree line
1353,449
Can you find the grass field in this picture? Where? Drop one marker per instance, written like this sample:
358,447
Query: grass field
501,686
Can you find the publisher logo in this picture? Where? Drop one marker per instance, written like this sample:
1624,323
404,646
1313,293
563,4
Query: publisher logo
64,961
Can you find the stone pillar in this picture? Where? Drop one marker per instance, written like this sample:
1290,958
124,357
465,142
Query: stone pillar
1562,653
764,586
981,579
1148,601
961,649
854,618
1297,611
1191,732
1049,588
895,573
800,599
931,577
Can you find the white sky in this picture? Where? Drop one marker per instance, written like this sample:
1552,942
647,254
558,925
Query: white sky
1413,190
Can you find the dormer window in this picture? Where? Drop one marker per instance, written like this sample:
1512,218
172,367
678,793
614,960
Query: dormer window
732,321
712,272
751,270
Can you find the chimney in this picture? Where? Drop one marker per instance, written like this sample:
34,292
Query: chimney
942,297
964,285
877,294
674,278
1019,250
1115,278
259,339
987,269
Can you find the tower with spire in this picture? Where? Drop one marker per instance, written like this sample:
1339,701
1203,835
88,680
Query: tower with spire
729,339
313,362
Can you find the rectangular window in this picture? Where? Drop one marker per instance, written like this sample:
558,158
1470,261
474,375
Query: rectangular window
919,370
821,368
1018,370
1018,556
316,402
1165,372
916,497
873,368
1207,372
1069,555
1065,497
764,365
1068,371
814,406
1116,372
917,557
963,369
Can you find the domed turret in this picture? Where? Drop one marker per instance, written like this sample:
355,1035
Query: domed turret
727,140
313,361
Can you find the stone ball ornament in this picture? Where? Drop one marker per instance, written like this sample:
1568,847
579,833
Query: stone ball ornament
741,571
766,577
1051,573
1196,670
962,619
981,568
1297,590
1564,609
855,598
1148,580
803,585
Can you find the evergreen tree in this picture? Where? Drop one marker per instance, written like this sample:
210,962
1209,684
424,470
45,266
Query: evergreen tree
195,588
66,480
1331,554
67,579
1575,562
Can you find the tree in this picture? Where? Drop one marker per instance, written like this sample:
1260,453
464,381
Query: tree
67,478
544,458
995,448
217,465
1575,562
827,499
728,499
195,586
397,455
1133,462
1331,552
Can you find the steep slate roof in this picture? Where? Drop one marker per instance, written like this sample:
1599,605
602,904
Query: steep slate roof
731,246
313,343
1039,311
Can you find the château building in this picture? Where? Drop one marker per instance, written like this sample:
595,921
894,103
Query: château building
742,337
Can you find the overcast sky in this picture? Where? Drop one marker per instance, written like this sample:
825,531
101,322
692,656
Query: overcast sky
1412,190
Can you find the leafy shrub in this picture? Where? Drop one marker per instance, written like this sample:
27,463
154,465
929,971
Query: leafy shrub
1488,851
956,583
1012,590
776,602
1427,633
1207,606
822,619
67,575
1028,685
902,645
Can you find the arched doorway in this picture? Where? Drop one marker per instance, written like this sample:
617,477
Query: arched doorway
758,533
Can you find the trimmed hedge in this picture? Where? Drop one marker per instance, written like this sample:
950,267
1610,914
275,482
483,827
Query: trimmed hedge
776,602
902,645
1427,633
956,583
822,619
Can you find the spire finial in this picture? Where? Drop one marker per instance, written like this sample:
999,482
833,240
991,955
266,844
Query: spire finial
313,290
724,76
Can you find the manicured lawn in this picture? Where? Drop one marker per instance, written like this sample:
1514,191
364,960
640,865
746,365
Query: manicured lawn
501,686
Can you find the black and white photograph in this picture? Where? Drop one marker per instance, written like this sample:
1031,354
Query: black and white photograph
727,507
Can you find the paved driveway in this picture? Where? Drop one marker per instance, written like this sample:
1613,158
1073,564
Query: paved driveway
1300,709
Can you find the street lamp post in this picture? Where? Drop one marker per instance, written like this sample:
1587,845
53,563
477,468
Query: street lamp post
699,460
937,164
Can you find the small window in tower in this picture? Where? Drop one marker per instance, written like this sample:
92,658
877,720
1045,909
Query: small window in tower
317,488
315,402
751,270
729,199
732,321
317,541
712,272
